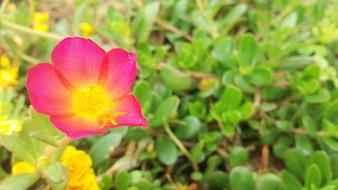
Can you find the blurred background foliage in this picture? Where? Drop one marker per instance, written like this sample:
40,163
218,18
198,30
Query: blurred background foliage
239,95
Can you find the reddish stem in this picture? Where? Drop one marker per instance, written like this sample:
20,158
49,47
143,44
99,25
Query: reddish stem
264,159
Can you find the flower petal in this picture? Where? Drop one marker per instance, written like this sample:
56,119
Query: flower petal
75,127
48,95
78,59
132,112
118,72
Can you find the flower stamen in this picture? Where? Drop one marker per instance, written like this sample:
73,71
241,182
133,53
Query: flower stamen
110,118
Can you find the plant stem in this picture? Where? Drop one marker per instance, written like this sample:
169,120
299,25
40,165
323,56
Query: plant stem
171,28
264,162
27,30
192,74
179,144
29,59
62,143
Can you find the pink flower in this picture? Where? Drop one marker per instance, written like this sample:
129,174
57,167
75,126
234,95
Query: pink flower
86,90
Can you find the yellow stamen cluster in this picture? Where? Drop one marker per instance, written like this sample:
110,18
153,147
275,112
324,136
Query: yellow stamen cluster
110,118
92,103
40,21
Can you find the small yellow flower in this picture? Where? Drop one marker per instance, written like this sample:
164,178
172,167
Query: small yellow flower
81,174
22,167
40,21
40,17
9,126
9,76
79,164
87,29
4,61
205,84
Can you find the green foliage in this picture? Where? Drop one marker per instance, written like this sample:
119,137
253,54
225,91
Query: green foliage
19,182
241,179
166,151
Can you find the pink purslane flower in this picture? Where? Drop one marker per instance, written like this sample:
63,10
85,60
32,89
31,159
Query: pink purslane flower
86,90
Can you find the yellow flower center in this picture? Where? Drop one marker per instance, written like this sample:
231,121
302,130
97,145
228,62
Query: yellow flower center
92,102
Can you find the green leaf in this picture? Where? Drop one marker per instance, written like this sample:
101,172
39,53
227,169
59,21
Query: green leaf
268,182
243,82
334,164
122,180
228,129
248,49
102,148
56,175
282,146
312,71
312,176
261,76
304,144
218,180
290,20
241,179
19,182
222,49
144,20
231,117
284,125
43,130
239,156
19,147
322,95
231,98
319,9
229,76
269,136
166,151
197,176
290,181
246,110
200,21
166,108
234,15
321,159
332,143
333,183
295,162
310,125
142,91
190,128
175,79
331,112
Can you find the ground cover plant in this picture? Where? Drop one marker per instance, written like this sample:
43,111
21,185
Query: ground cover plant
234,95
